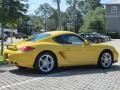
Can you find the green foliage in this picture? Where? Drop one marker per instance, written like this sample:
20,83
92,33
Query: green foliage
44,11
52,24
74,16
90,11
93,4
94,21
85,5
47,15
1,60
36,22
114,35
12,10
52,21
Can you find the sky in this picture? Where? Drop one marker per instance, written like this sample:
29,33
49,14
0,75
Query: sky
34,4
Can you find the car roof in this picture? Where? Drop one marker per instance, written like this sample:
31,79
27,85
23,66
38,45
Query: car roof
56,33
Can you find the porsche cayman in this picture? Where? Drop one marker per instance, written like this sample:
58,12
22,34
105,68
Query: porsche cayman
47,51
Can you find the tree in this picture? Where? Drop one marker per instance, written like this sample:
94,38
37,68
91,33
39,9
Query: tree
86,8
53,20
59,14
93,4
24,26
75,17
94,21
11,11
85,5
36,21
45,11
81,5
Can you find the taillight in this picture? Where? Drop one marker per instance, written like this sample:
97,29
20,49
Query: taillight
26,48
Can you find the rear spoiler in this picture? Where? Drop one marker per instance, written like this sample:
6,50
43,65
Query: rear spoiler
8,46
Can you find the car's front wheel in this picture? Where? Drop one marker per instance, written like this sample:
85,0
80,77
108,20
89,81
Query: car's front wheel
105,60
46,63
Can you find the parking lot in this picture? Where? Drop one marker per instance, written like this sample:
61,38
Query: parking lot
13,39
77,78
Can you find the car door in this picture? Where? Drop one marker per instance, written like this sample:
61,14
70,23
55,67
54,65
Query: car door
76,51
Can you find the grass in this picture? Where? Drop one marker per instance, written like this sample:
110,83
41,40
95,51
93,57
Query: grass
1,60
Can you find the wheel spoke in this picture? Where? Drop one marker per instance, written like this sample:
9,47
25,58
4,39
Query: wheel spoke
42,66
46,63
47,57
106,59
48,68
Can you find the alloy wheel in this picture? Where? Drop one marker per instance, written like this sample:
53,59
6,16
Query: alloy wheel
46,63
106,60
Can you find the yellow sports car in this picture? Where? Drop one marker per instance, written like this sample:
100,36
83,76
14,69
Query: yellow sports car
47,51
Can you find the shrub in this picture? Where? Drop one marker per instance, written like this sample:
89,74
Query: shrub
114,35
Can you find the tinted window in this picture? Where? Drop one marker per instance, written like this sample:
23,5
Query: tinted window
38,37
61,39
69,39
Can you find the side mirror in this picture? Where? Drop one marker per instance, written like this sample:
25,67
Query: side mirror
86,42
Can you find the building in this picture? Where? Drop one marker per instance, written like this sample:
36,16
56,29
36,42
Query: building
113,16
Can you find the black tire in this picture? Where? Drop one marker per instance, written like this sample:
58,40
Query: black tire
105,60
40,63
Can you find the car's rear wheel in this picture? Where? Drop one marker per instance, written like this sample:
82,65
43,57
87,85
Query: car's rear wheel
46,63
105,60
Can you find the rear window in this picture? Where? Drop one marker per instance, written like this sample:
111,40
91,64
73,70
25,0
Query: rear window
38,37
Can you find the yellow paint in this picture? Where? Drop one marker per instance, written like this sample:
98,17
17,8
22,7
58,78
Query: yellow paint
67,55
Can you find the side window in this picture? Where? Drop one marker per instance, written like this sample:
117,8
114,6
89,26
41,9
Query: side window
63,39
69,39
73,39
59,39
114,9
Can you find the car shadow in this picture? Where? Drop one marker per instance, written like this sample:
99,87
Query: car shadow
67,71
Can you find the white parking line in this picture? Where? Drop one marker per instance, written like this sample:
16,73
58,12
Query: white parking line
30,80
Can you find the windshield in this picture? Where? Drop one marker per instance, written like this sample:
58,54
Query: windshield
38,37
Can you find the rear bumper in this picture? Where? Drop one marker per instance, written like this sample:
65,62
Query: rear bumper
20,59
11,62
